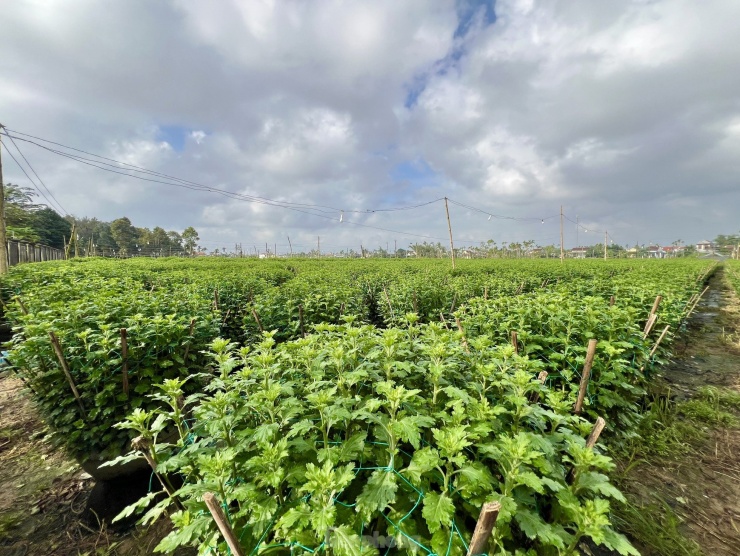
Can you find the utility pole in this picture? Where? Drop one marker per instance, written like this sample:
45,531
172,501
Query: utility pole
606,239
3,235
291,246
577,226
449,227
318,245
395,249
562,252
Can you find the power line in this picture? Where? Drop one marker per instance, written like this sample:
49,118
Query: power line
208,187
37,175
29,178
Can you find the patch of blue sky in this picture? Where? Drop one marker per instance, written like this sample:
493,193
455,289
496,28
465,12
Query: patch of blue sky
174,135
413,175
469,12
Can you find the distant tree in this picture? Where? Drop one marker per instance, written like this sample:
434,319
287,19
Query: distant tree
190,239
51,228
124,234
19,206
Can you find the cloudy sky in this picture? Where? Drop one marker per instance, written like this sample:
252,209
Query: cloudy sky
625,113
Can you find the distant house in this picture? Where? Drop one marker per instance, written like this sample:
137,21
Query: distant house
632,253
705,246
579,252
674,250
656,252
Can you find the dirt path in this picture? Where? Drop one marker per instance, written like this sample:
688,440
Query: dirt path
43,493
701,487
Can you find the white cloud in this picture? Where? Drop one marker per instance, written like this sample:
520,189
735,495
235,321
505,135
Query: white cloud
625,112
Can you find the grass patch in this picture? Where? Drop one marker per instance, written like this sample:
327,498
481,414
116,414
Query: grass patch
655,526
668,430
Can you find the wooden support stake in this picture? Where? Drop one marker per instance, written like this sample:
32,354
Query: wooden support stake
215,298
696,301
415,302
660,339
60,356
454,300
595,432
519,290
300,320
541,378
462,331
656,304
514,342
257,319
190,339
611,301
590,443
590,353
223,524
22,306
649,326
388,299
124,359
484,528
485,292
442,318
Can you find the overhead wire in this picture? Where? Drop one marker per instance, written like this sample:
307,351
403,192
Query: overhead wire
326,212
59,205
29,178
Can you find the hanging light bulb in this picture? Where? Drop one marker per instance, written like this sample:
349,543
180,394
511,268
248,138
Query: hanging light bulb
489,216
543,221
341,216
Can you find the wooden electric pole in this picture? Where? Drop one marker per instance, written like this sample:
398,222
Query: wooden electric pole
606,240
562,252
318,245
3,236
449,227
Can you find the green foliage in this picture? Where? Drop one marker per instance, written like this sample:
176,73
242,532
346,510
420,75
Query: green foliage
301,438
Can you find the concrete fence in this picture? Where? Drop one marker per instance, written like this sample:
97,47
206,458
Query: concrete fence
25,252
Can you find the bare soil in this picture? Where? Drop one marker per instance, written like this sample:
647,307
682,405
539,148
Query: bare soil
43,493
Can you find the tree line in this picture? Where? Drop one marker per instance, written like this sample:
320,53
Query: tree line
29,221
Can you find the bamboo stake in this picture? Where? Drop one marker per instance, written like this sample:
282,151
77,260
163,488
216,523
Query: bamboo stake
590,353
514,342
462,331
484,528
215,298
60,356
300,320
660,339
415,302
541,378
257,319
388,299
611,301
222,523
696,301
124,358
649,326
442,318
656,304
187,346
590,443
454,300
595,432
485,292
